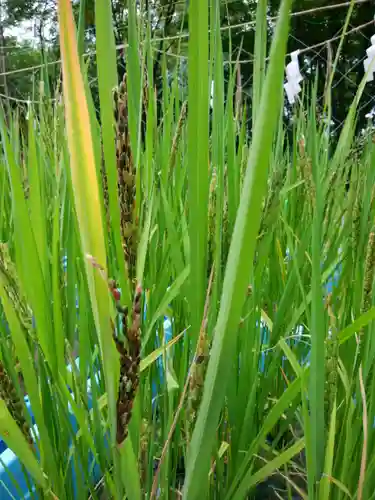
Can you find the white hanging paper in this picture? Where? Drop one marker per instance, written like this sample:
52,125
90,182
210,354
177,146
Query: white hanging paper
293,78
369,62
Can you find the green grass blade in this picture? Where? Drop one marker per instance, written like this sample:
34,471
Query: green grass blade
318,328
198,103
129,466
239,264
81,26
37,195
31,381
270,421
27,256
355,327
17,442
250,480
325,483
107,78
169,295
151,358
87,200
260,53
56,283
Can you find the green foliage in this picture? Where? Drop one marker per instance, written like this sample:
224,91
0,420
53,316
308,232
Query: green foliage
267,382
15,11
24,86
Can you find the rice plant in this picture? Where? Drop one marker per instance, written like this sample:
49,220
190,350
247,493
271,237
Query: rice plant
186,304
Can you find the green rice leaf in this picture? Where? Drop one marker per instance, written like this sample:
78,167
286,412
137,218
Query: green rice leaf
239,262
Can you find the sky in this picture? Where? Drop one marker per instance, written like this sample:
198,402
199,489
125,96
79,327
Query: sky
23,32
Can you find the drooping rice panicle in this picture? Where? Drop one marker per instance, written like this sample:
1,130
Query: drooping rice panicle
129,351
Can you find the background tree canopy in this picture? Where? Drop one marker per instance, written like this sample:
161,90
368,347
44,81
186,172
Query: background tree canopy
323,21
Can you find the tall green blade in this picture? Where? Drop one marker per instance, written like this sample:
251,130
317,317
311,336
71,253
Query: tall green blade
17,442
87,202
239,264
198,102
318,329
107,77
260,52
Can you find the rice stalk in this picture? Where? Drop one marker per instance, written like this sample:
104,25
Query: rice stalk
261,408
332,353
13,289
308,177
177,136
272,201
356,222
329,203
126,179
104,180
212,202
9,394
8,391
369,273
198,372
199,366
129,351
